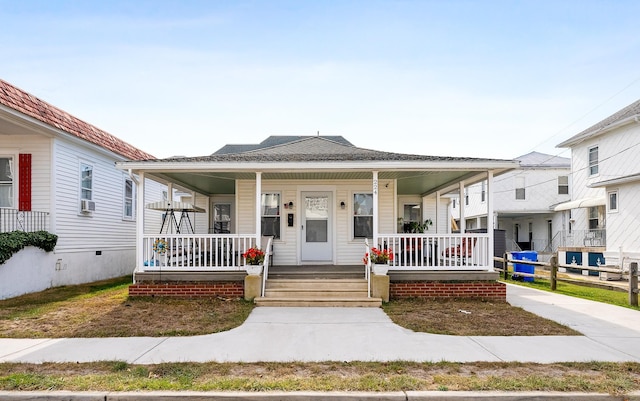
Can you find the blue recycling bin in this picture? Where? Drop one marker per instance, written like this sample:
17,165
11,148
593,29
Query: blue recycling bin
531,256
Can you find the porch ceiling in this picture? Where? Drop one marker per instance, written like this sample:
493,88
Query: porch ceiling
409,182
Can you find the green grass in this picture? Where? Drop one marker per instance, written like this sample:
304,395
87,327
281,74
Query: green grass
617,298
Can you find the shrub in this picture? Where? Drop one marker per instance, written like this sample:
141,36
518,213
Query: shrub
14,241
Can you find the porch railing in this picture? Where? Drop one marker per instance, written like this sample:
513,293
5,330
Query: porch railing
19,220
438,251
582,238
193,252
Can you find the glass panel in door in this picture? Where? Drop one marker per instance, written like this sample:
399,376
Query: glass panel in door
316,227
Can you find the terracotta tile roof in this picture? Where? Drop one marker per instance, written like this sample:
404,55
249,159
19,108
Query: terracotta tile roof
25,103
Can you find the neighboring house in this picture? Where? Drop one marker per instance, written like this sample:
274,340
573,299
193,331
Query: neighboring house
524,202
605,176
319,198
57,173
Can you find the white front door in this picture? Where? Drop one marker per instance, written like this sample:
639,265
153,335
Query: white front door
317,228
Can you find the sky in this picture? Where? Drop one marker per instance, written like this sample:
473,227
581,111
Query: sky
487,79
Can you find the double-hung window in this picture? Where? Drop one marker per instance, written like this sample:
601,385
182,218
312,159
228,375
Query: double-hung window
483,192
520,188
86,181
563,185
127,211
593,160
6,182
363,215
270,214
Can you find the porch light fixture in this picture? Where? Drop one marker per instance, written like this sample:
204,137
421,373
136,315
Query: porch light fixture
290,205
342,205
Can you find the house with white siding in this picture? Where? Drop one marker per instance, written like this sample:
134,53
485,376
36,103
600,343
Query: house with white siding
524,203
605,177
323,203
57,174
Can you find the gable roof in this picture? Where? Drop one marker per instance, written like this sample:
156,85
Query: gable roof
27,104
314,149
537,159
621,117
274,140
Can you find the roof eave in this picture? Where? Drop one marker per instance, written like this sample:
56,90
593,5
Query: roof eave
597,132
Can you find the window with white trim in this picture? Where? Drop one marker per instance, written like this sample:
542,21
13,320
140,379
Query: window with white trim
270,214
128,196
412,214
593,160
86,181
7,181
520,188
483,192
612,201
363,215
563,185
466,196
222,218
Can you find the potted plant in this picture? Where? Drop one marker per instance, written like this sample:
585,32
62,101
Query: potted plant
380,259
253,260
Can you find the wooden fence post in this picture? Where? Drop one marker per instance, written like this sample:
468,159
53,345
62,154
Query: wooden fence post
505,266
633,283
554,271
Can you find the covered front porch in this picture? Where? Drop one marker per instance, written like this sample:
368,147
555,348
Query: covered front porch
317,201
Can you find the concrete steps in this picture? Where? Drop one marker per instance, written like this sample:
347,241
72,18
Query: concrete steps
317,292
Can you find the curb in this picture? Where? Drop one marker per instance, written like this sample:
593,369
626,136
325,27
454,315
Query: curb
312,395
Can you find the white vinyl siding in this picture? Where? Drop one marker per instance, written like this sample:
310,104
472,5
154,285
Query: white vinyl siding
104,229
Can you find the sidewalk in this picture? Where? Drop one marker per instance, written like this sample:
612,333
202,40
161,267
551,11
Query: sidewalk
273,334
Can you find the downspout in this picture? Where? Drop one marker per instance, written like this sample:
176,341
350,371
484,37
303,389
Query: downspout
463,220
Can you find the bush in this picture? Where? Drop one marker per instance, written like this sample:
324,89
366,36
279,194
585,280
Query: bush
14,241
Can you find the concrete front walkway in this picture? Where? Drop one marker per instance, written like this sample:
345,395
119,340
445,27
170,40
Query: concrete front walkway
274,334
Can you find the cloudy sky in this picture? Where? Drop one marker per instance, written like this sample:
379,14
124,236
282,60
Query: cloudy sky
477,78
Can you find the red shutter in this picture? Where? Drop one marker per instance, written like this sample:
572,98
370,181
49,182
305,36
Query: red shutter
24,178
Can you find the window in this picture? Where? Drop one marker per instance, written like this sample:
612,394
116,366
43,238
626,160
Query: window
86,181
6,181
483,192
466,196
593,160
520,189
454,203
363,215
613,201
222,218
593,218
127,212
563,185
270,211
411,214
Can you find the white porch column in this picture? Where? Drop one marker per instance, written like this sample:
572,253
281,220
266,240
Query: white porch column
437,210
140,222
258,205
463,220
375,208
490,220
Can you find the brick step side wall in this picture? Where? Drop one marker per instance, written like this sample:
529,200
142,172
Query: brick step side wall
433,289
230,289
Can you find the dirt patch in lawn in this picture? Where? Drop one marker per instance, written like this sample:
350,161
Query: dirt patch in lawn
104,309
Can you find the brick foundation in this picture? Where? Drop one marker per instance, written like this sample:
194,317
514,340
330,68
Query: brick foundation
228,289
439,290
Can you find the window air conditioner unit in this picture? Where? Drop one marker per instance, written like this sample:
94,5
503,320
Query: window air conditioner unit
88,206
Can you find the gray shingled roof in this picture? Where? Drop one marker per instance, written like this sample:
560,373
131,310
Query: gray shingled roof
314,149
537,159
274,140
631,110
